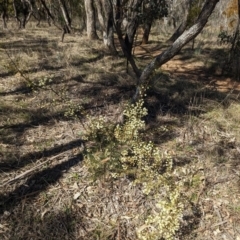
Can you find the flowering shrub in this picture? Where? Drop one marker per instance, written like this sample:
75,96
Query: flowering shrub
118,150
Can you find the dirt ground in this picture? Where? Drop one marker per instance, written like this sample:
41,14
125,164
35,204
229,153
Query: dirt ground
47,90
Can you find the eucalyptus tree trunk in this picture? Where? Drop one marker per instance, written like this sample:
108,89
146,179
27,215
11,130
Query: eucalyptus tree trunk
4,19
91,19
233,61
4,15
237,36
132,25
105,17
66,26
180,42
23,11
65,14
127,42
147,24
16,12
146,31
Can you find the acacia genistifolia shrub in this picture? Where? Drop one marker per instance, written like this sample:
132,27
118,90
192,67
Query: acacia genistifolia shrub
119,150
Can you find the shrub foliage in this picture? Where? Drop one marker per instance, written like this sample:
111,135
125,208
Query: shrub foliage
119,150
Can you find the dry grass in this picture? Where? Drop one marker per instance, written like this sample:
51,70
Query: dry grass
46,90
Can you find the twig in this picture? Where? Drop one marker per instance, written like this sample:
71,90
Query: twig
218,213
220,223
16,67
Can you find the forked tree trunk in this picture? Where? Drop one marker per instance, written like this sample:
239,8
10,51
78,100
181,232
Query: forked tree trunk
24,8
173,50
91,19
28,11
132,25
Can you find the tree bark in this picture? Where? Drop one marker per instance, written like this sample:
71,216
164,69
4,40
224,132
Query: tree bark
4,14
66,28
65,13
234,53
169,53
132,24
91,19
22,7
146,32
49,15
16,13
4,17
105,17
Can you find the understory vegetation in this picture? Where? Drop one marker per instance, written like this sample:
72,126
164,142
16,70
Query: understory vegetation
80,160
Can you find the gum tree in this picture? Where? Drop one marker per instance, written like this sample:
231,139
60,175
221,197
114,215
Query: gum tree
106,21
91,19
4,11
180,42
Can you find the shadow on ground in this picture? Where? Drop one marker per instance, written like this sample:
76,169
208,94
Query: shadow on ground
36,184
29,158
54,225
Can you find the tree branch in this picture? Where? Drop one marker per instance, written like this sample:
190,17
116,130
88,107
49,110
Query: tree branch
173,50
